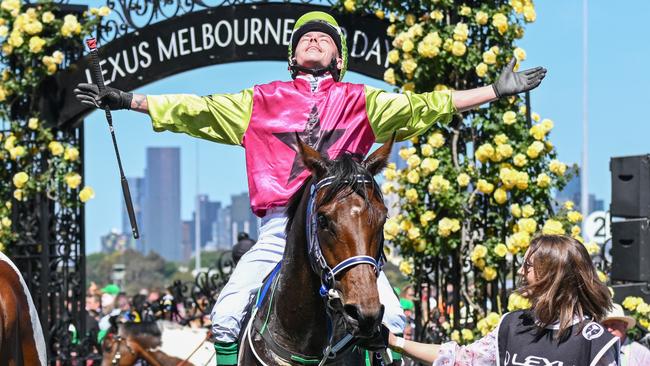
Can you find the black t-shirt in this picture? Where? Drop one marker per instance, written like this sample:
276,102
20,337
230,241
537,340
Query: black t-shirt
521,342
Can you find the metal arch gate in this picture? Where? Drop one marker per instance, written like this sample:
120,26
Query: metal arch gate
51,250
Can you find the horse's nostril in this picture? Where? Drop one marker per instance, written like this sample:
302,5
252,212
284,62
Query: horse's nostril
366,322
352,311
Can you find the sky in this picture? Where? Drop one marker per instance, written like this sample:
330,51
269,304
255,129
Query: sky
617,92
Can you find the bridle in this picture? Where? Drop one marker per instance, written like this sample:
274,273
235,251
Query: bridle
118,356
328,274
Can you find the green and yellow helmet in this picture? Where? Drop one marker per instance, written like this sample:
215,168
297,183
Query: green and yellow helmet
321,22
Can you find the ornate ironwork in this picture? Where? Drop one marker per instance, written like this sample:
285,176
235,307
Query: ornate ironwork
130,15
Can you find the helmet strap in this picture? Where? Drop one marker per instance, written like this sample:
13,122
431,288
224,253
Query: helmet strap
331,68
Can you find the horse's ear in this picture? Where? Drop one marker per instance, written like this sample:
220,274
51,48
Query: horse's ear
311,158
378,160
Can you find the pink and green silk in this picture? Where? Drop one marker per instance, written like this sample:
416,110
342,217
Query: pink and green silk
335,118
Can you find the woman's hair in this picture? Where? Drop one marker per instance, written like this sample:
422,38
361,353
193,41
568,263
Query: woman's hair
566,283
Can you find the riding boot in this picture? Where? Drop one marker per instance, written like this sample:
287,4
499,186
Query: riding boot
226,353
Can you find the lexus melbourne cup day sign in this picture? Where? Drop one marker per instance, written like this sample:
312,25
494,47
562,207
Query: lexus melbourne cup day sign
209,37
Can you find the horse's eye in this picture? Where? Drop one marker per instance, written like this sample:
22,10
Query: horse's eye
323,223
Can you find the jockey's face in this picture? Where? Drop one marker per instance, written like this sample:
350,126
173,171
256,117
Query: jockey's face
316,50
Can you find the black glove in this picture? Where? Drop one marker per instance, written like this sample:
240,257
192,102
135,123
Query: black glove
511,83
88,94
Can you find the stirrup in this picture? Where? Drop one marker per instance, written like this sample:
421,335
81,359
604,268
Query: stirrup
226,353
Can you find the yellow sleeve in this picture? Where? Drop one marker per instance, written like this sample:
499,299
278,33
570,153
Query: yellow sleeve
408,114
221,118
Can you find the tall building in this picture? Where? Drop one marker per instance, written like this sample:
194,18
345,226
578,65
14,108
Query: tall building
162,208
136,188
243,218
187,239
208,215
222,233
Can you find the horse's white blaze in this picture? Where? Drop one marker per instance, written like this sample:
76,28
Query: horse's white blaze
179,341
355,211
39,340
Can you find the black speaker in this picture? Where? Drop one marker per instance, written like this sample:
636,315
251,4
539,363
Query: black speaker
631,250
630,186
631,289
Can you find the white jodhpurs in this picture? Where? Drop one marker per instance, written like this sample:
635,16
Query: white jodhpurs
229,311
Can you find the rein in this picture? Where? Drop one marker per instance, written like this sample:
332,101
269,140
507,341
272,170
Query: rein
327,289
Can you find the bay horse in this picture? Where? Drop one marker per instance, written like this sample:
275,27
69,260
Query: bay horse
323,301
21,335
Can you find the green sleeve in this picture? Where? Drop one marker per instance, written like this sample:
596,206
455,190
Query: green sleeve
408,114
221,118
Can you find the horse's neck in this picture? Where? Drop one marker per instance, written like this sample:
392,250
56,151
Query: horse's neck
299,311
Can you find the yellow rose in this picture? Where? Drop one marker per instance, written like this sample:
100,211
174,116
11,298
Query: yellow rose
408,46
575,230
86,194
529,13
463,180
484,152
73,180
543,180
438,184
501,250
387,187
413,233
409,19
538,132
11,5
479,252
409,66
15,39
535,149
515,210
501,139
465,10
390,174
520,160
553,227
489,57
522,180
429,165
547,125
349,5
527,211
426,150
4,31
36,44
631,302
481,69
428,50
455,336
393,56
19,194
58,57
48,17
32,124
489,273
437,15
574,216
518,241
447,226
458,48
6,222
467,334
391,228
389,76
413,161
484,186
460,32
643,308
55,148
71,154
592,247
481,18
500,22
391,30
7,49
104,11
413,177
436,140
70,26
20,179
33,27
406,268
644,323
380,14
509,117
556,167
500,196
527,225
426,217
504,151
520,54
517,302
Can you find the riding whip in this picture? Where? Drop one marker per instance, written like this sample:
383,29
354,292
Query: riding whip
98,79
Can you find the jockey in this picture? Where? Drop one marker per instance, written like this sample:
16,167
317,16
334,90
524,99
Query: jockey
331,116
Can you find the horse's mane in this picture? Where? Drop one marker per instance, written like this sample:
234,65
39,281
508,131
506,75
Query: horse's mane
345,170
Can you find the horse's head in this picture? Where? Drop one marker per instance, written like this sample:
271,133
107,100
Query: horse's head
118,351
127,342
345,219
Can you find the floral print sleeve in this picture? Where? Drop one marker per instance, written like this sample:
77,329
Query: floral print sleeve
480,353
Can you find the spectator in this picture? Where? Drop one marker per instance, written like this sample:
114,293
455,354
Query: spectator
632,353
244,243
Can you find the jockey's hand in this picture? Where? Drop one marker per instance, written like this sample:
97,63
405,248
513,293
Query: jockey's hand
111,98
510,82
